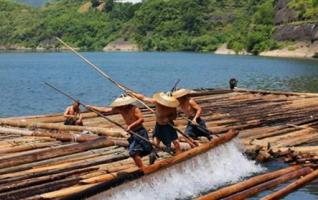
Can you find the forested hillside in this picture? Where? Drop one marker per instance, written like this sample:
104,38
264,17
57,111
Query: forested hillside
161,25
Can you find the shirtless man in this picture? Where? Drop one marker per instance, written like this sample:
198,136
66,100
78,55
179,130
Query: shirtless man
193,111
73,115
134,119
166,112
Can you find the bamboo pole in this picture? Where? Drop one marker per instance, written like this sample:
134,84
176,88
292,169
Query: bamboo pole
269,184
129,91
80,191
29,146
38,189
53,160
107,177
293,186
39,180
66,137
59,127
55,152
62,167
66,191
226,191
7,130
302,149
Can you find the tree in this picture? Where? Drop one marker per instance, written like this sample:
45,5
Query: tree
109,4
95,3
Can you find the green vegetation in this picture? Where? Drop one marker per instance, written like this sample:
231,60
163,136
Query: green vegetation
306,9
160,25
37,27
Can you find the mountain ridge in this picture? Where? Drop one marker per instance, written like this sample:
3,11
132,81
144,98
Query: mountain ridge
254,26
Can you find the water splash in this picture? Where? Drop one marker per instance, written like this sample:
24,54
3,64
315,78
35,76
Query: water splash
221,165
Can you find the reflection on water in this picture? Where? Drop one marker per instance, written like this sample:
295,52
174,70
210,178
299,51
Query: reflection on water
297,84
304,83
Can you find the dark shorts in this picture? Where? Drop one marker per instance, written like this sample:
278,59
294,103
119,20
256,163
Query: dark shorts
70,122
165,133
195,131
138,146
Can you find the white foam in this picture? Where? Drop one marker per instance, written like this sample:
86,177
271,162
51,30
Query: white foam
221,165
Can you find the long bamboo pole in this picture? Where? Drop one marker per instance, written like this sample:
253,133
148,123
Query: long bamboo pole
101,115
123,88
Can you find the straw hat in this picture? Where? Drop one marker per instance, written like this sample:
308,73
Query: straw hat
123,100
166,99
181,93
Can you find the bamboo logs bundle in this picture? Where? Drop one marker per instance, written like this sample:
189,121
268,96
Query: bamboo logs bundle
39,153
54,152
257,184
293,186
112,179
52,126
226,191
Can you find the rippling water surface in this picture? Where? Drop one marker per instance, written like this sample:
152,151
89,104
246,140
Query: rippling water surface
22,74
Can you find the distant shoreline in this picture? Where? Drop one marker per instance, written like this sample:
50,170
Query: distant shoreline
298,53
302,50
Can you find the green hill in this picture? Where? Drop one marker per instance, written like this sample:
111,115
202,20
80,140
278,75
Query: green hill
161,25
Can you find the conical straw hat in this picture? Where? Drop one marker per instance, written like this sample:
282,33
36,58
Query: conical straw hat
123,100
181,92
166,99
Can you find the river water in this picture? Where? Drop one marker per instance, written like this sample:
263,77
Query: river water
23,91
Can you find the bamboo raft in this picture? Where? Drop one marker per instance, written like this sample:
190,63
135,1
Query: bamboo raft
40,158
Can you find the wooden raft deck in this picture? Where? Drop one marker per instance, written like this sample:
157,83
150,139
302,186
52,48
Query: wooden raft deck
40,158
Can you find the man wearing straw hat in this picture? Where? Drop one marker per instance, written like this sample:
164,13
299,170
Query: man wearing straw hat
196,127
134,120
166,112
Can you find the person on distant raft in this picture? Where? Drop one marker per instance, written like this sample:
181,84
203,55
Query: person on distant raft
233,83
166,112
73,115
192,110
133,117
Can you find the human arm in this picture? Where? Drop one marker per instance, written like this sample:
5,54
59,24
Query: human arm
66,113
80,117
140,119
143,98
198,110
100,109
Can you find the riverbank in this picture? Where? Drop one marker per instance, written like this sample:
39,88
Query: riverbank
305,50
296,50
